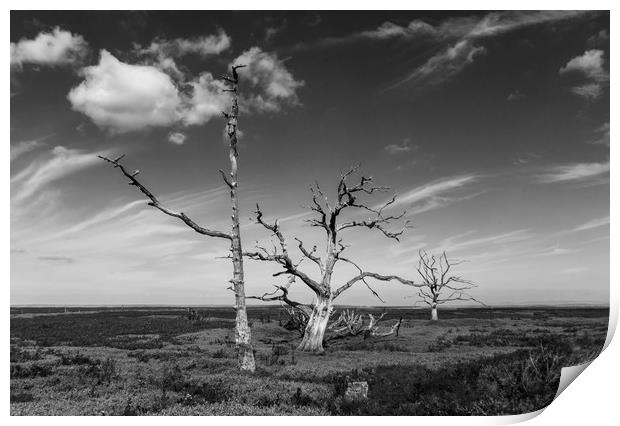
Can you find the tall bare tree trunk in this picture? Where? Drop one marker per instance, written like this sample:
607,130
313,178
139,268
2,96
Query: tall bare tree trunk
317,324
242,329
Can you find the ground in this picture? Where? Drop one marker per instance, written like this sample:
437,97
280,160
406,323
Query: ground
156,361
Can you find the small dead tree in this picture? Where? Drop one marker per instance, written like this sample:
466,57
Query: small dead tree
439,285
329,219
242,329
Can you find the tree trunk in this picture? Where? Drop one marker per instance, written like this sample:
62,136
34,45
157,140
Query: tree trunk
317,324
434,316
242,329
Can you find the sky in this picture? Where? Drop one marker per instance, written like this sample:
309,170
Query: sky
492,128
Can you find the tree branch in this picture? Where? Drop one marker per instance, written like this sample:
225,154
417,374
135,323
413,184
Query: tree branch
282,258
376,276
155,202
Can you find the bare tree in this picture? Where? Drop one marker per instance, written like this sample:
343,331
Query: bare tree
439,285
329,220
242,329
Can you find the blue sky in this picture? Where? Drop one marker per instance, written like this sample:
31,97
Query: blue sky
492,127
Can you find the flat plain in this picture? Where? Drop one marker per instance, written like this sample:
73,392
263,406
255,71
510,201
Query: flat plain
158,361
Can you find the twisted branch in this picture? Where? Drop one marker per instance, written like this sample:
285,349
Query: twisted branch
154,202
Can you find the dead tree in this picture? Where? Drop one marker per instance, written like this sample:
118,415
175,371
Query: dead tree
329,220
352,324
242,329
439,285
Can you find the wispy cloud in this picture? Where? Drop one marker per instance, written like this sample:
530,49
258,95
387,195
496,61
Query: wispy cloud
578,172
458,40
602,134
434,189
592,224
458,242
61,259
62,162
405,146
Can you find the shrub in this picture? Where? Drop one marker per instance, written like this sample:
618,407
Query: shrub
21,355
78,359
19,371
103,372
21,396
515,383
440,343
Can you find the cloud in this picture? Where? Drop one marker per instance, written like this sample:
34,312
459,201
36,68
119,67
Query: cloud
274,85
394,149
434,189
206,101
515,96
457,243
458,37
177,138
62,259
457,40
122,97
62,162
55,48
592,224
575,270
20,148
602,135
447,63
213,44
577,172
600,38
591,66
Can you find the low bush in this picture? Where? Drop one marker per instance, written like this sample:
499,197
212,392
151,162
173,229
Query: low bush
21,396
516,383
21,355
19,371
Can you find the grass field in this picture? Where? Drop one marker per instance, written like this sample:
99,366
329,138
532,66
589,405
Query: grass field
154,361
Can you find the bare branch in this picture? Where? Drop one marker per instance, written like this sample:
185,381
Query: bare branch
282,258
310,254
376,276
155,202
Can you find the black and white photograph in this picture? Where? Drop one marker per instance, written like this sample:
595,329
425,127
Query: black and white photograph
306,212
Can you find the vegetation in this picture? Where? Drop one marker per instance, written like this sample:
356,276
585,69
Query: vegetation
464,364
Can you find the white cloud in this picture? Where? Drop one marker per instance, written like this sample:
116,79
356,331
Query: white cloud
592,224
275,87
123,97
446,63
62,162
58,47
577,172
591,66
457,243
204,45
433,189
460,38
515,96
602,134
394,149
207,100
23,147
177,138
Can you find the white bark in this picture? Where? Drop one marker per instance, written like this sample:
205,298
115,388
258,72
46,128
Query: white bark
434,316
317,324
